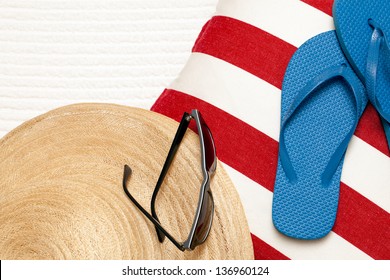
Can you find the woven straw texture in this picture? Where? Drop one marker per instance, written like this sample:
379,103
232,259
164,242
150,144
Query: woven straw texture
61,193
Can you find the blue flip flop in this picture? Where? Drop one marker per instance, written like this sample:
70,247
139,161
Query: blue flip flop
322,101
363,29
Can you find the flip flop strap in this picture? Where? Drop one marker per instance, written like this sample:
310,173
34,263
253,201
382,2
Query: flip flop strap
347,74
378,39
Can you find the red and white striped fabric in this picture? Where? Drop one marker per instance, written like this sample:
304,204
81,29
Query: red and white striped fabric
234,77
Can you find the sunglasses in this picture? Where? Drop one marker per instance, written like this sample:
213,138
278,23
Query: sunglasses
201,225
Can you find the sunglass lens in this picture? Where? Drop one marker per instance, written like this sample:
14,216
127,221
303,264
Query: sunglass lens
205,220
210,154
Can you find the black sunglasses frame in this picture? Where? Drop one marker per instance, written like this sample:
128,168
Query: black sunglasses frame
207,171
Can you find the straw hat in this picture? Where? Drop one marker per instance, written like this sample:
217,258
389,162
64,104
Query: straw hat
61,194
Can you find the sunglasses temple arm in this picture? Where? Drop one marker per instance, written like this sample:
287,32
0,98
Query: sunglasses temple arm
171,154
152,219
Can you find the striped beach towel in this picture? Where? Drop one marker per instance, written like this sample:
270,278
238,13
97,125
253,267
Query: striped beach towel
234,76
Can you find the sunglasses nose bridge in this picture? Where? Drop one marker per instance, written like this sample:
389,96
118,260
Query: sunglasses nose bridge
213,166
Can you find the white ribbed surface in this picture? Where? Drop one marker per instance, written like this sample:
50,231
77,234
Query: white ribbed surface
54,53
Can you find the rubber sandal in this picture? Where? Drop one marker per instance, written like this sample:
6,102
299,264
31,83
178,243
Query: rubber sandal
322,101
363,29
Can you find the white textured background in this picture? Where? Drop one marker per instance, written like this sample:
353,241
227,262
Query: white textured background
54,53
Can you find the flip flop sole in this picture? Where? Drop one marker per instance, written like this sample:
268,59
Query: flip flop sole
306,209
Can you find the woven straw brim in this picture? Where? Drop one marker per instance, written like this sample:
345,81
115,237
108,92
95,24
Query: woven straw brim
61,194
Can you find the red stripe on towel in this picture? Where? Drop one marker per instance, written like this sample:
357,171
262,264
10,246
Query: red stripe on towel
267,57
322,5
363,223
247,47
247,146
263,251
370,130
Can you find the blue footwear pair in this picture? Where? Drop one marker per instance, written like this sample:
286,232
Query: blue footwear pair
324,93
